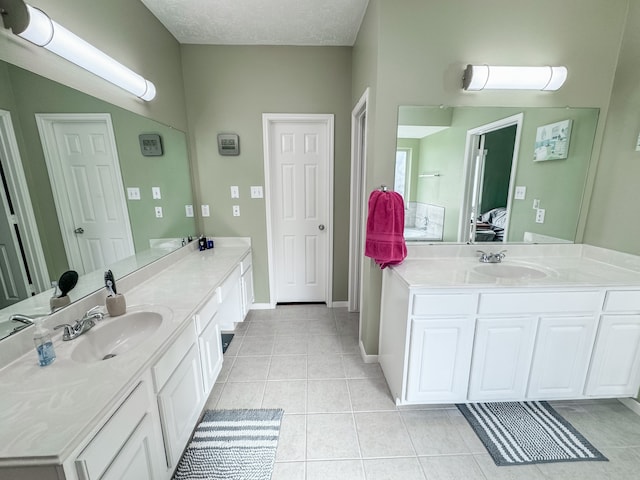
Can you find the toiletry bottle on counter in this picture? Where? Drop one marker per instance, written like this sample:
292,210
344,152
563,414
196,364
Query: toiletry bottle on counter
202,243
44,345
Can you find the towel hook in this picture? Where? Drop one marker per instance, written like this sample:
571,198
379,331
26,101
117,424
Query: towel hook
384,188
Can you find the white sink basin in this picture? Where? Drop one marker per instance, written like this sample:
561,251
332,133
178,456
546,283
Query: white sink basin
503,270
115,336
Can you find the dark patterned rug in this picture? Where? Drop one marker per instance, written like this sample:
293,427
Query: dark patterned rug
518,433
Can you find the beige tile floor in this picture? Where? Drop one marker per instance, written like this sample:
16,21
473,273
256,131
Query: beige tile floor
340,421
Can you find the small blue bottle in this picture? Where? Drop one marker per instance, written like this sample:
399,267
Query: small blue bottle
44,345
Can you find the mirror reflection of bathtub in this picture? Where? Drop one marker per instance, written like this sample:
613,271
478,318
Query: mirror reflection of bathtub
423,222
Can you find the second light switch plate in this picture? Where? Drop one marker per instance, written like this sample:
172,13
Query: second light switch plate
155,193
235,192
205,210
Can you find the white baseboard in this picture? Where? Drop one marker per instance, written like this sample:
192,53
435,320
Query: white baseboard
367,358
631,404
342,304
262,306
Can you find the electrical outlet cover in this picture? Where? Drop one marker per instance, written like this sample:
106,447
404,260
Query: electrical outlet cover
158,212
236,210
540,215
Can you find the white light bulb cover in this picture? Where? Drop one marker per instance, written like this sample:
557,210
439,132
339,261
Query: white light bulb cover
46,33
488,77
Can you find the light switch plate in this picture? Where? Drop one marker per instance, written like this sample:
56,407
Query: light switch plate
536,203
256,191
521,193
235,191
133,193
540,215
155,193
158,212
236,210
188,210
205,210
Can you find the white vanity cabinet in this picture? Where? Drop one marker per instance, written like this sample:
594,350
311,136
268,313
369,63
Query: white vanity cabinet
129,445
453,344
178,382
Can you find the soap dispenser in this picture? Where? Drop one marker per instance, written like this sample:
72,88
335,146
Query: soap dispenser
43,343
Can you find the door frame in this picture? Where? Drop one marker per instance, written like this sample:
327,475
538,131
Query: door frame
359,115
24,214
473,139
268,121
45,122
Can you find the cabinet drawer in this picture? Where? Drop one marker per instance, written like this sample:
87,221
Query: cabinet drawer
622,301
104,447
207,312
171,359
539,302
443,304
245,264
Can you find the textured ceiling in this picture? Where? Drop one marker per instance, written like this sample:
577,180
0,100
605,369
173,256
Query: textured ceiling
261,22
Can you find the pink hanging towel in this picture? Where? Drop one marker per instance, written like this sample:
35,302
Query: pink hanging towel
385,229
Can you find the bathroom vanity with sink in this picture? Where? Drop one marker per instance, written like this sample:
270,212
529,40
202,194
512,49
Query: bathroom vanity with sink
107,409
549,322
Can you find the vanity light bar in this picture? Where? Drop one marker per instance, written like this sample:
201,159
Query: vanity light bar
40,30
487,77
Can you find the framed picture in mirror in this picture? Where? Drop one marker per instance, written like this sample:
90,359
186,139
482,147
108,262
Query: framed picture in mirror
552,141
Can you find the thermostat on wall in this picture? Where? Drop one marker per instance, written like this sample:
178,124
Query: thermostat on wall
228,144
150,144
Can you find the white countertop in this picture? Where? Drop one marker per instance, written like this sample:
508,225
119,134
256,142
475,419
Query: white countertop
564,265
46,411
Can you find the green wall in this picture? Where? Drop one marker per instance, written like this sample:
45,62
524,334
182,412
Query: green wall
227,90
422,46
33,94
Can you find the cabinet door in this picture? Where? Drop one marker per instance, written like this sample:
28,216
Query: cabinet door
501,358
136,459
181,401
210,344
439,358
561,357
230,310
615,366
247,291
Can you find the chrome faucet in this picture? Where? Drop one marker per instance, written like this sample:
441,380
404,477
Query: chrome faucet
86,323
492,257
24,319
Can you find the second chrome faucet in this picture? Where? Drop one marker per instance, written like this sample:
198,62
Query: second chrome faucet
86,323
491,257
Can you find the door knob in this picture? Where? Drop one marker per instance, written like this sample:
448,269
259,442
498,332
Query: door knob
321,227
79,230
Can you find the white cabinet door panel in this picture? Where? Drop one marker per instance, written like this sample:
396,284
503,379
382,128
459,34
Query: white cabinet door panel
439,359
181,401
501,358
210,344
615,366
561,357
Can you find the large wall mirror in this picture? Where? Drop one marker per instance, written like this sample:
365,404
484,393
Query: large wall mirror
474,174
33,108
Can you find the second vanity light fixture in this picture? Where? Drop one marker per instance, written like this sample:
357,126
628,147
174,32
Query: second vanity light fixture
488,77
34,25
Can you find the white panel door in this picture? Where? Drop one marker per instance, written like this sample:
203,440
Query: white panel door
89,191
14,285
439,359
501,358
615,365
299,186
561,357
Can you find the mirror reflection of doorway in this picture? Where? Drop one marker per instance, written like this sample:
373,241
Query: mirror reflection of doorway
491,166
